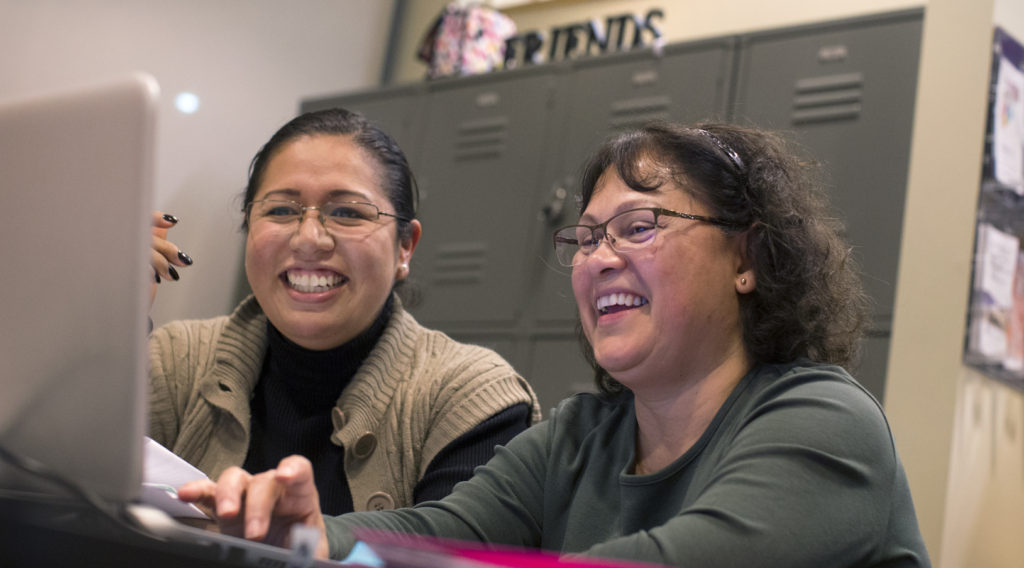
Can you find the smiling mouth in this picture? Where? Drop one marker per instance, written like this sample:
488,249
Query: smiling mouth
313,280
618,302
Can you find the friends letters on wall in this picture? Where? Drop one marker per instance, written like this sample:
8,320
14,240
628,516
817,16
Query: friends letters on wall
616,33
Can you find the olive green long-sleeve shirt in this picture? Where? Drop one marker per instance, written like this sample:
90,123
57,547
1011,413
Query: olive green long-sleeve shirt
798,468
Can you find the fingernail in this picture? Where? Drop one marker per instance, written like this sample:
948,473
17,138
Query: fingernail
170,218
185,258
157,276
173,272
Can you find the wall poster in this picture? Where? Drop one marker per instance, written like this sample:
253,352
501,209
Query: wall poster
995,336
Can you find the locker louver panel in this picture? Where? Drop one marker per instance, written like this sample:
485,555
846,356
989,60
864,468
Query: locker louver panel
459,263
635,112
828,98
481,139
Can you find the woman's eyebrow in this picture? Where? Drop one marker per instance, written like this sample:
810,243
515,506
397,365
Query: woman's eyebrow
347,193
332,195
625,206
283,192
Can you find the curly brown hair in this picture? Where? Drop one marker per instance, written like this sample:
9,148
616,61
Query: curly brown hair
809,300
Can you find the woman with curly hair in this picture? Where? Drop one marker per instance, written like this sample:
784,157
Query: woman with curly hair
719,306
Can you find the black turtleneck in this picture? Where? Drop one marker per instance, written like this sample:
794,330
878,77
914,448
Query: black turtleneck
291,414
291,407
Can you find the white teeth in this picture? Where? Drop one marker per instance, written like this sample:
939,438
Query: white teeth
306,282
621,299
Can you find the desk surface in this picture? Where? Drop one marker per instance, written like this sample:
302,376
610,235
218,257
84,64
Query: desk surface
41,535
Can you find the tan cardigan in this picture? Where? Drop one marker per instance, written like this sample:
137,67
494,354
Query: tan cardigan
416,392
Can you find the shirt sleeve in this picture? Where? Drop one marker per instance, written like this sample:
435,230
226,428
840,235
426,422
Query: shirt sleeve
501,503
458,459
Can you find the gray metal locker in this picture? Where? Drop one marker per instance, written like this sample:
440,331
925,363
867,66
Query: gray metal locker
484,142
846,90
497,157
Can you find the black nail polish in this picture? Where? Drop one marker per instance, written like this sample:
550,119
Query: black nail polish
173,272
157,277
185,258
170,218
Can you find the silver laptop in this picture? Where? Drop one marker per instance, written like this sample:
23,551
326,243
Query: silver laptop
77,176
76,171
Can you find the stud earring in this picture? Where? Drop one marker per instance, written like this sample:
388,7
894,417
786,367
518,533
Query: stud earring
743,281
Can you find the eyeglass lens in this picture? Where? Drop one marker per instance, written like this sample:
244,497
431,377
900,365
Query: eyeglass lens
339,214
624,232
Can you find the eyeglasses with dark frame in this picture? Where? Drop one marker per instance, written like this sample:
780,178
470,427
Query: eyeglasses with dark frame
343,216
625,232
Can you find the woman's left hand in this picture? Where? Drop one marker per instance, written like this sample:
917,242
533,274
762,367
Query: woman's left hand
165,255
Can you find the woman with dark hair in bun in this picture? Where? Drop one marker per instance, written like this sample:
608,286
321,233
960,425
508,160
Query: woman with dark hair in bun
323,360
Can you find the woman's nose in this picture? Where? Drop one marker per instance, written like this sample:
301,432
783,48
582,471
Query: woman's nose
604,256
312,234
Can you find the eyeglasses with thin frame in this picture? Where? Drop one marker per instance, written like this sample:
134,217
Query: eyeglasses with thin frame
625,232
339,216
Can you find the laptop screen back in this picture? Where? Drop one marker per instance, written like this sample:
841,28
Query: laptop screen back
76,172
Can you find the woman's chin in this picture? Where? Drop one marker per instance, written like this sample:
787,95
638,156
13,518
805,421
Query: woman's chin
616,364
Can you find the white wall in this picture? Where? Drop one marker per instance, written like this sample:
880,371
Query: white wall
250,61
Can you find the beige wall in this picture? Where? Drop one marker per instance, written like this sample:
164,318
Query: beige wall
684,19
961,435
249,61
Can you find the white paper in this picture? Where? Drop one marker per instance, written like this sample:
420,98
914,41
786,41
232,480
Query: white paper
996,260
1015,335
1008,127
163,473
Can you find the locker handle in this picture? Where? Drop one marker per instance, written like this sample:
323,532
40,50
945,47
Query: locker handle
553,210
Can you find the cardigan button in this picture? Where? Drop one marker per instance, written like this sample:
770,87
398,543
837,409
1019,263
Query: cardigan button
337,418
380,501
365,445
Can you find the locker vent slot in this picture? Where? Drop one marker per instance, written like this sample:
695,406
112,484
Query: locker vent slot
481,139
638,111
828,98
459,263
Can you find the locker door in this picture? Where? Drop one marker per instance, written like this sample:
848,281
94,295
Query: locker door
846,91
688,82
484,142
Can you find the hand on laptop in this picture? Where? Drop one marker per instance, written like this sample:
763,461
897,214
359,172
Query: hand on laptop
165,254
265,506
